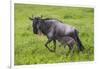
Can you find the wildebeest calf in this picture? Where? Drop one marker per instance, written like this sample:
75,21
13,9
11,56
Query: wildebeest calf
67,41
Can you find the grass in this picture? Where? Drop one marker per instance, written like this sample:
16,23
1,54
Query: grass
29,48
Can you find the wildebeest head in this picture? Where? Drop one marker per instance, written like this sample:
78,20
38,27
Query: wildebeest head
36,21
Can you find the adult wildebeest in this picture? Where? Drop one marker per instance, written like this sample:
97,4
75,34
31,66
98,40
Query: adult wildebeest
55,30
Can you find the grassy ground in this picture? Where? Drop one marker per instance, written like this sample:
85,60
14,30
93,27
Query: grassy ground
30,49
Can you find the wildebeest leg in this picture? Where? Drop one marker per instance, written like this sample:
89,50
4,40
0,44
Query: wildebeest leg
46,45
65,45
54,41
71,49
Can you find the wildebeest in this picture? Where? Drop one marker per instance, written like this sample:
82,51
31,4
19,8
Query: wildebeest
67,41
56,30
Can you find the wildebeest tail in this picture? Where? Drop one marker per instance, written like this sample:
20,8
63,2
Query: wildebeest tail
79,43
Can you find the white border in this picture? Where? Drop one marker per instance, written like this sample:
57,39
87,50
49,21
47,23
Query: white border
4,34
75,3
12,34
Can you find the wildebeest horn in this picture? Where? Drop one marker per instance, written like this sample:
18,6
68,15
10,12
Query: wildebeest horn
30,18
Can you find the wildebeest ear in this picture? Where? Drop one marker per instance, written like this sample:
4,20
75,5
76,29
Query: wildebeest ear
30,18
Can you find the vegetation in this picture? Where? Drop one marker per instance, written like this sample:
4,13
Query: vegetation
29,48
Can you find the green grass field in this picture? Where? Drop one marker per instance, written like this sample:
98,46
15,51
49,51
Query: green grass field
29,48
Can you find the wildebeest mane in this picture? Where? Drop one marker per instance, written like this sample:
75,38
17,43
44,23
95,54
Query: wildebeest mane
52,19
